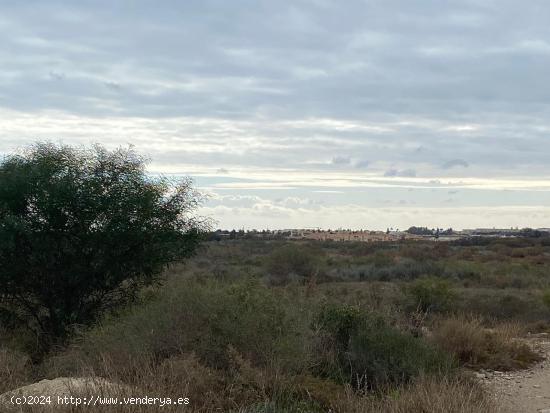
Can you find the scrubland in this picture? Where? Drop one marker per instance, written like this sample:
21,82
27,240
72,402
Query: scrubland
253,326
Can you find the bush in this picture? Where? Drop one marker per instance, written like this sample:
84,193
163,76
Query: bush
511,306
205,317
402,269
546,298
381,355
81,231
431,294
381,259
478,347
294,260
463,270
363,350
502,304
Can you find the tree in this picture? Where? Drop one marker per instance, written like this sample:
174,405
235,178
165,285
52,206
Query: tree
420,231
81,230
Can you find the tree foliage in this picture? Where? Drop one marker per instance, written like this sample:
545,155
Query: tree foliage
81,230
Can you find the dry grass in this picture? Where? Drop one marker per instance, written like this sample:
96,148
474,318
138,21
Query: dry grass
184,375
441,395
425,395
478,347
14,368
247,389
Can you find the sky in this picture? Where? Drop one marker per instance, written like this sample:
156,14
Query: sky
300,113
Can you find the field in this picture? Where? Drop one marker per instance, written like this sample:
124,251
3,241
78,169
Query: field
273,326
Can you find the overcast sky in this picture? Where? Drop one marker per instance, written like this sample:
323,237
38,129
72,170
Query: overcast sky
306,113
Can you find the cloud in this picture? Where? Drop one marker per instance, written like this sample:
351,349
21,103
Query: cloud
341,160
400,173
264,93
357,216
454,163
56,75
362,164
175,60
112,85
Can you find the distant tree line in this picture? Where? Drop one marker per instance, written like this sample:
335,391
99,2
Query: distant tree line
233,234
426,231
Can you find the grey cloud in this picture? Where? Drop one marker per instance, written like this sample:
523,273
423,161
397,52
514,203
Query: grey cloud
112,85
399,83
362,164
400,173
341,160
56,75
455,162
241,59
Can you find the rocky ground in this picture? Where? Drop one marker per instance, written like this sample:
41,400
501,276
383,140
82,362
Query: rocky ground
524,391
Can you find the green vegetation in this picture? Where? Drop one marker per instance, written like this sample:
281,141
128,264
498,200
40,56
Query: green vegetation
300,262
220,330
431,293
363,350
546,297
81,231
204,317
246,325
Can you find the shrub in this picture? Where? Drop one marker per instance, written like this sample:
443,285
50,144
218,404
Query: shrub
546,298
511,305
478,347
381,259
363,350
294,260
502,304
402,269
425,251
463,270
431,294
340,321
381,355
205,317
81,231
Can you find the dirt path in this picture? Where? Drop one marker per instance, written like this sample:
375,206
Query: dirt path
524,391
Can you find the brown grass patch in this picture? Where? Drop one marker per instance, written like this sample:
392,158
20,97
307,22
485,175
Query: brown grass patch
13,369
426,395
478,347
